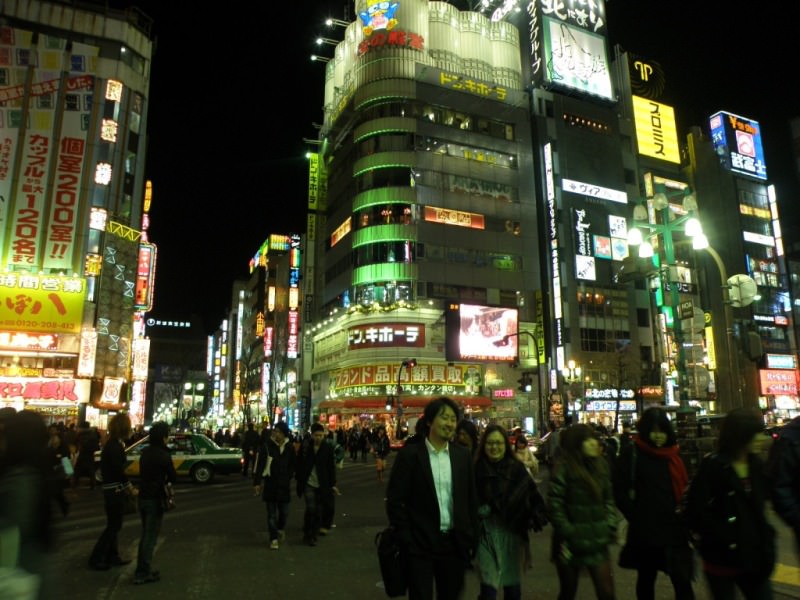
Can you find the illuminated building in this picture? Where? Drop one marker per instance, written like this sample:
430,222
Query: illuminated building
76,267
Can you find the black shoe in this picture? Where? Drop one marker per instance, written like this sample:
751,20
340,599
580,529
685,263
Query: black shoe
309,541
149,578
99,566
119,562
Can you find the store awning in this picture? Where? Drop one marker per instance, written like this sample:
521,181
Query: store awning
408,402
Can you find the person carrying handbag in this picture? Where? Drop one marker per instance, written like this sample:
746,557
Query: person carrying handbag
156,471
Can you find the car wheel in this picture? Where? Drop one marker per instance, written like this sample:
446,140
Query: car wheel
202,473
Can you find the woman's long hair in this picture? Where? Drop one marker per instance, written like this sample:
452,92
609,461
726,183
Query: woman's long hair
589,470
738,428
656,417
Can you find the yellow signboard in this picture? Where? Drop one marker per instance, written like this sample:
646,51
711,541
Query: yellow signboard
31,302
656,132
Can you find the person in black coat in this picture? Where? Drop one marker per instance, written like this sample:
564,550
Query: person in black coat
725,509
785,478
437,545
316,477
156,471
649,480
272,477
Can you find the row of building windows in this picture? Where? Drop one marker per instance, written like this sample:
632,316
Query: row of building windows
440,115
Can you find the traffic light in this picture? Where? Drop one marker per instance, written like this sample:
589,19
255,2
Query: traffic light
524,383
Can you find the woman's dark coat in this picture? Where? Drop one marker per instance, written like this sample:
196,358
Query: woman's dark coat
730,523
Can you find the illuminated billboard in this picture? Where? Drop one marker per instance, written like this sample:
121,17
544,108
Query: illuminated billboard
476,332
656,132
52,303
737,141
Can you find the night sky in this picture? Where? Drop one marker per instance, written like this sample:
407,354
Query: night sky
233,95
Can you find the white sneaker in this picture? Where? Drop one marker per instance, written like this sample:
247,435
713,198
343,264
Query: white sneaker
273,545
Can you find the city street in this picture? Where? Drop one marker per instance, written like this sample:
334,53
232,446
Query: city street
214,545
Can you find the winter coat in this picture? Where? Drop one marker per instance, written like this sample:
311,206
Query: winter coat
322,459
277,486
644,495
786,475
505,492
731,523
583,524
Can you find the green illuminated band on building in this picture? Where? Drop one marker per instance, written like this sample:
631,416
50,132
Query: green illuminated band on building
384,272
385,125
384,233
386,195
384,160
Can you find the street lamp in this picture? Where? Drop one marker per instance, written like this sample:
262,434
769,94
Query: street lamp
394,399
572,374
325,40
317,58
336,22
661,219
538,342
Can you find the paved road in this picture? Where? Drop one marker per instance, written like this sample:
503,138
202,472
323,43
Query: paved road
215,546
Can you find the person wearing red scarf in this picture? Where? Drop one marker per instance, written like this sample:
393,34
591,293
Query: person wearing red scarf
649,481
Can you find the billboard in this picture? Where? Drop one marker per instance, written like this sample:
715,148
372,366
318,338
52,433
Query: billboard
737,141
656,132
51,303
476,332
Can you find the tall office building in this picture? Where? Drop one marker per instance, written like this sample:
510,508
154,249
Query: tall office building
77,267
472,205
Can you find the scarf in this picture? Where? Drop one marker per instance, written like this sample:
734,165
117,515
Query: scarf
677,470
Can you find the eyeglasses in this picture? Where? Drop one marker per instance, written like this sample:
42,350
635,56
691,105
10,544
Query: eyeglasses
495,443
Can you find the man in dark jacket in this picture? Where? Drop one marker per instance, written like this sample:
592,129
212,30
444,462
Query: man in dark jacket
156,471
316,478
250,443
785,476
432,502
272,476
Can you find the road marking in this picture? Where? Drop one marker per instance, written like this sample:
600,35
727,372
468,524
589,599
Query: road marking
786,574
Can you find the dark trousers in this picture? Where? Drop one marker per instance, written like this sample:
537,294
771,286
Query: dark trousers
723,588
152,514
510,592
444,566
277,514
106,550
328,508
313,514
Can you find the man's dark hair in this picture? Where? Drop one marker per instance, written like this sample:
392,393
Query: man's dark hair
317,427
434,407
159,432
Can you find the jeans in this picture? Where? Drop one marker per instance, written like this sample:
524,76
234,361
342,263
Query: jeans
277,513
313,515
106,550
152,514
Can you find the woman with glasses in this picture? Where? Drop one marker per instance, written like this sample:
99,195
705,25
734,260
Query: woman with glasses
507,497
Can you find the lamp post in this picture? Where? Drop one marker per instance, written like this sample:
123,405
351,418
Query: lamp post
395,399
537,340
662,222
571,374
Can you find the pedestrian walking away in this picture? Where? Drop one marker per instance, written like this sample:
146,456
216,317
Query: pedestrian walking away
155,471
726,510
250,443
582,512
431,501
274,469
115,485
316,477
649,480
381,449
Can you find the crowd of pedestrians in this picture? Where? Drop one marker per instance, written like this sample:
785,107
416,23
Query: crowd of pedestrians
714,526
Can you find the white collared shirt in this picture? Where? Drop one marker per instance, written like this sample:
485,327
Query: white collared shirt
443,482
